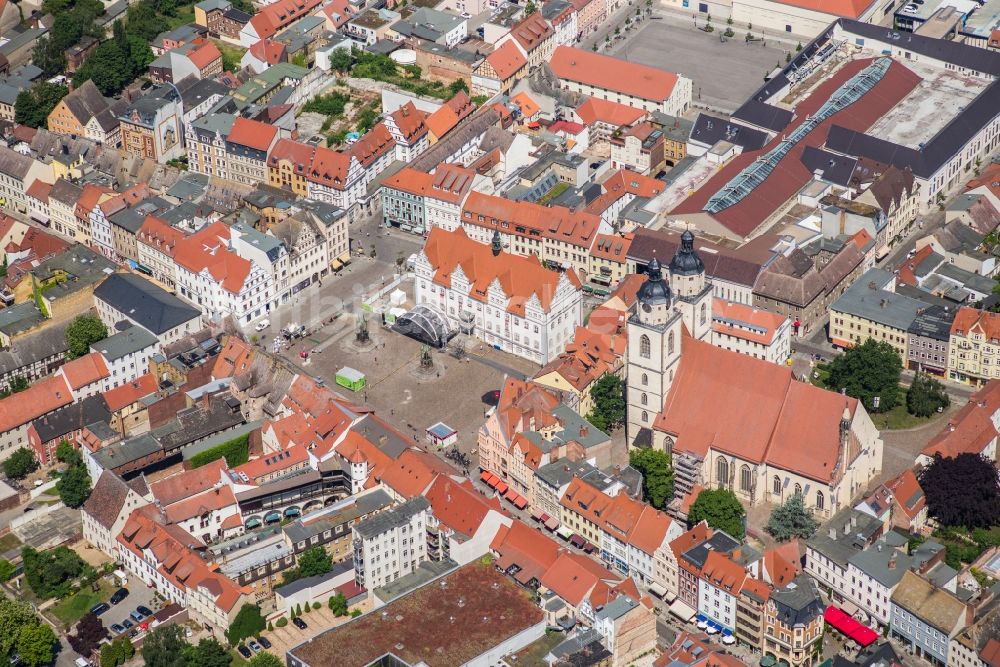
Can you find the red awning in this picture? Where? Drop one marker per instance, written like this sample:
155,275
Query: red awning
537,515
520,502
485,476
510,495
551,523
492,480
501,487
849,626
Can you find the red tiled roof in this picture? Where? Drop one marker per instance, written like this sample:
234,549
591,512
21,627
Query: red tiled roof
769,414
281,13
329,168
527,105
532,31
614,74
458,506
197,505
410,122
268,51
970,320
906,490
188,483
596,110
412,473
41,244
520,278
733,319
39,190
852,9
127,394
991,651
89,197
300,155
252,133
233,359
507,60
450,114
157,233
372,145
611,247
790,174
533,552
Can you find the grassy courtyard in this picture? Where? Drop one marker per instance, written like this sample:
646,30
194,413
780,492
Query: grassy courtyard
73,608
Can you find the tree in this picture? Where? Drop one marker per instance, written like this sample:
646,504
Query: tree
18,383
608,395
248,622
14,615
962,491
457,86
791,519
265,659
74,486
34,105
35,644
68,454
20,464
82,332
721,509
870,373
7,569
117,652
338,604
90,631
208,653
164,647
530,8
341,60
51,573
657,475
314,561
925,396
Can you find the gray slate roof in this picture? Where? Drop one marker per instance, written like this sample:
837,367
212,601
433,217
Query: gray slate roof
397,517
876,304
150,306
126,342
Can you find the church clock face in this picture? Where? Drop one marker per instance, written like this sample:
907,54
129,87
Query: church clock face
647,308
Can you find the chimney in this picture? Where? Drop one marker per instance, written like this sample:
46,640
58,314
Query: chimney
583,431
892,562
833,533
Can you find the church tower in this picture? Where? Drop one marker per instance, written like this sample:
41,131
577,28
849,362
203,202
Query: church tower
654,350
692,292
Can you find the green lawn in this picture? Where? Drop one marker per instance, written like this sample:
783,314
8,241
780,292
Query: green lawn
819,375
184,16
72,609
898,418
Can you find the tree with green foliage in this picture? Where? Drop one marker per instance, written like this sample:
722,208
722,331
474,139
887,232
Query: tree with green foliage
281,622
608,395
248,623
657,475
962,491
14,615
530,8
68,454
7,570
18,383
341,60
36,644
74,486
266,659
338,604
870,373
82,332
926,396
721,509
457,86
164,646
791,519
51,573
208,653
33,106
117,652
20,464
236,451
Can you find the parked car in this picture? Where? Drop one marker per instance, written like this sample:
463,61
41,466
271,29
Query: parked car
254,646
145,611
119,595
263,324
127,624
117,629
264,641
137,616
244,651
299,623
99,608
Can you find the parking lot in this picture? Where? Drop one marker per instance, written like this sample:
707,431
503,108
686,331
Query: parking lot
724,74
318,620
138,594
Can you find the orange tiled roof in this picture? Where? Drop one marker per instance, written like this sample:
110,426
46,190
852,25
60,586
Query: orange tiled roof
197,505
375,143
596,110
533,552
300,155
612,247
450,114
506,61
782,563
39,399
732,319
39,190
85,370
89,197
971,429
769,414
413,472
233,359
204,55
723,573
252,133
852,9
329,168
410,122
527,105
121,397
589,356
970,320
279,14
532,31
524,406
157,233
614,74
208,250
459,506
521,278
554,222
